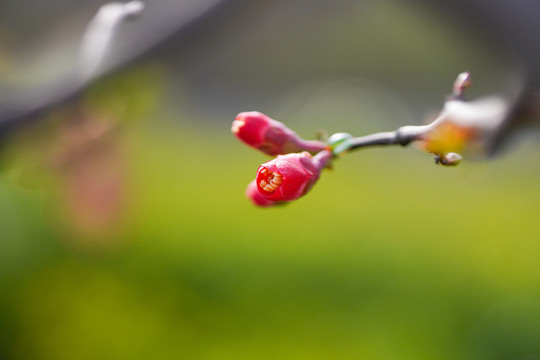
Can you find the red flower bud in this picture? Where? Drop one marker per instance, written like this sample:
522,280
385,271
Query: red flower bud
256,197
290,176
270,136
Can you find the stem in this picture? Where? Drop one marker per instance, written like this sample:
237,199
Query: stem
402,136
323,159
382,138
311,146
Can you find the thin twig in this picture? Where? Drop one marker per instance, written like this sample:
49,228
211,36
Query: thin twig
402,136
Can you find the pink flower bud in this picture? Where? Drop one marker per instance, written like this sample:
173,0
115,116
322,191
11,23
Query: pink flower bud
290,176
270,136
256,197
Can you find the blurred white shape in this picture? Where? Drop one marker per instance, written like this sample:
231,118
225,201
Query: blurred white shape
484,114
100,33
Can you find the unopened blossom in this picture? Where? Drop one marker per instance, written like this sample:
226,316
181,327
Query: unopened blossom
291,176
270,136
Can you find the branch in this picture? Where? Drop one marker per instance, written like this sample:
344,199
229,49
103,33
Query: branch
402,136
461,125
100,33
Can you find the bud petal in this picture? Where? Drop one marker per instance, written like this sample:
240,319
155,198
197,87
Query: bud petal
257,198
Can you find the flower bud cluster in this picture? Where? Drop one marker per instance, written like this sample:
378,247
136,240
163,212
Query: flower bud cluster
293,172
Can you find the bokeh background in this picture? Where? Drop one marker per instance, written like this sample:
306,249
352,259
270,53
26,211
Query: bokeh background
125,233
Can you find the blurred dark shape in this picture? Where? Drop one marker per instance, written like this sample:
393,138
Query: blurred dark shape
126,42
186,32
512,28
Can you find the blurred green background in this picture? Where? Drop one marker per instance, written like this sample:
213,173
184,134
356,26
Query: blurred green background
125,233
